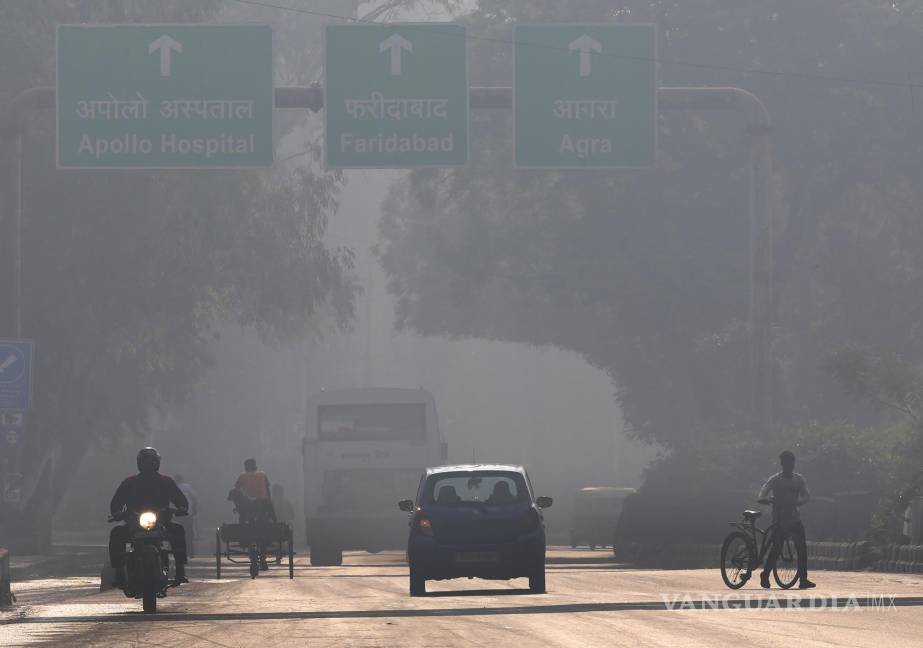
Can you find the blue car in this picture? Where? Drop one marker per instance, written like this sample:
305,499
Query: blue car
476,521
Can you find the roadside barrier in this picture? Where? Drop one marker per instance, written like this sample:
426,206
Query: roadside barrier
6,597
906,559
832,556
839,556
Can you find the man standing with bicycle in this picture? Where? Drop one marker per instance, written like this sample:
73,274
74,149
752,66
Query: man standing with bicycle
786,491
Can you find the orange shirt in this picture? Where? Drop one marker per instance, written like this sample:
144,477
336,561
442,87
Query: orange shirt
253,484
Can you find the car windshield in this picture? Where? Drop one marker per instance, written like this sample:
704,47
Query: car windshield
489,488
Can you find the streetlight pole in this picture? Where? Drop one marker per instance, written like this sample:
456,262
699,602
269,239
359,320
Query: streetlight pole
761,208
13,124
17,254
12,128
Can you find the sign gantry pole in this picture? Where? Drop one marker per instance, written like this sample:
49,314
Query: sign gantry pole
12,129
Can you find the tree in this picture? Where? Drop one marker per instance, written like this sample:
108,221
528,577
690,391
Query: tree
127,277
644,273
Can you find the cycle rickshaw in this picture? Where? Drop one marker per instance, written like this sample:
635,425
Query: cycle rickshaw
257,540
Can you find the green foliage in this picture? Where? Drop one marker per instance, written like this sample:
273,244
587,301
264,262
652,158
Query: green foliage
848,458
885,381
646,273
127,277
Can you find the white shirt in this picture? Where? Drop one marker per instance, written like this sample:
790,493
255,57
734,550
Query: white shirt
191,496
788,492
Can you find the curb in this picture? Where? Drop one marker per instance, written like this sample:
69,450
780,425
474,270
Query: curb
65,561
830,556
594,560
906,559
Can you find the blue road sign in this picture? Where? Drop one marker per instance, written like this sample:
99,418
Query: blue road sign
12,428
15,374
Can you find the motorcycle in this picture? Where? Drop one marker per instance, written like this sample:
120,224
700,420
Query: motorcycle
146,568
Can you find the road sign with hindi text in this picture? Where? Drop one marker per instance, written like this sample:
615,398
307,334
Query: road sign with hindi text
396,96
585,96
164,96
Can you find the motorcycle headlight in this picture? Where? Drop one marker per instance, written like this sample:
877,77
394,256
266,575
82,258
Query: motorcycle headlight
147,520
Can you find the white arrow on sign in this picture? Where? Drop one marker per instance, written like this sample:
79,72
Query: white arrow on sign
166,46
395,43
585,44
8,362
11,419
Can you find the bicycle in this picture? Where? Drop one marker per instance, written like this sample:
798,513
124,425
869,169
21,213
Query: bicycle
739,558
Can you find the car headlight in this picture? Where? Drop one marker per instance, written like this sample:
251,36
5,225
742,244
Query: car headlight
147,520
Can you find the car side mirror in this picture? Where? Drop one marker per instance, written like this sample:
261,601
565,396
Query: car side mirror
544,502
406,506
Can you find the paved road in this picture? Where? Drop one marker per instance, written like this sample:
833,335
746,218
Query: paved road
365,603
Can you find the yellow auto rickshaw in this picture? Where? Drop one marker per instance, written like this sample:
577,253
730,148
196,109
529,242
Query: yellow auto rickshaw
596,513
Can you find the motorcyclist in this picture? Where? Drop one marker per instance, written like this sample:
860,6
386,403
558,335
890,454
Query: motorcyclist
145,491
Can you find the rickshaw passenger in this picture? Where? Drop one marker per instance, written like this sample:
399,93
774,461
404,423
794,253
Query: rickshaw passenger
251,495
252,482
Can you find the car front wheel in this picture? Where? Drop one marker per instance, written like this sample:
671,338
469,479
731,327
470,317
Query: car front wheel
537,581
417,583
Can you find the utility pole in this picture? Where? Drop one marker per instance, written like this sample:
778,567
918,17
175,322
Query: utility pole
761,311
28,529
13,122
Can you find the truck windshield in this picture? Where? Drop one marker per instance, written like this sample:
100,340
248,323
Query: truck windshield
372,422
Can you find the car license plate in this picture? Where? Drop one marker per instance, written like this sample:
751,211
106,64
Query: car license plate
477,557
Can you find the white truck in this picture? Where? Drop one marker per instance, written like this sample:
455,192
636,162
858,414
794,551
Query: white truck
364,450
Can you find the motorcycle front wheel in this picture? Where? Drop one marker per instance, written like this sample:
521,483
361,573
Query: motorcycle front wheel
150,603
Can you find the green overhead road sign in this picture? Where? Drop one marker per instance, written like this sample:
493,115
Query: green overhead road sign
585,96
396,96
164,96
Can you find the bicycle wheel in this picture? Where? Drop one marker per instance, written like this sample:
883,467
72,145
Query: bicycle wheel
785,571
737,557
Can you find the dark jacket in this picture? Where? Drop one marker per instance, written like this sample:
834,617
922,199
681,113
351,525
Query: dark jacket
147,491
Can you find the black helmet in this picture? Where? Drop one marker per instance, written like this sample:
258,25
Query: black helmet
148,460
